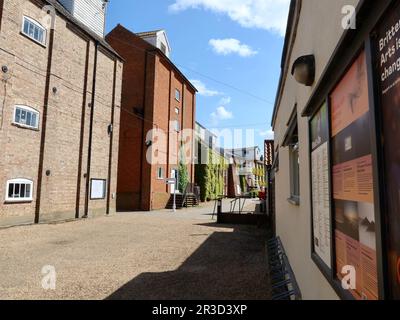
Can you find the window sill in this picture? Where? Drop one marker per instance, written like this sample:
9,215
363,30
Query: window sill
22,201
21,126
44,45
295,201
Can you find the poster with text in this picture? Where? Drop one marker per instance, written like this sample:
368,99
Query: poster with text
387,55
320,186
353,185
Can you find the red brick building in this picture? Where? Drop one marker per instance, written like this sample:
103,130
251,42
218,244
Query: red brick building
155,95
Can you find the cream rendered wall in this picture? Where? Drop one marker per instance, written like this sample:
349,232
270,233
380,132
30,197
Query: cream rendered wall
319,31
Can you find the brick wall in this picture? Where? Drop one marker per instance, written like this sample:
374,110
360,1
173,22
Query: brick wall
65,145
149,83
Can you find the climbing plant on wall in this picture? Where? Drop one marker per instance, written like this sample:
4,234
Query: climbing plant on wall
210,176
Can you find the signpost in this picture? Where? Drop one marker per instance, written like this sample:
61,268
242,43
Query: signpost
173,181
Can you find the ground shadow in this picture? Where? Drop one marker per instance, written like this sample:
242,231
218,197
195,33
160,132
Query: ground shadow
229,265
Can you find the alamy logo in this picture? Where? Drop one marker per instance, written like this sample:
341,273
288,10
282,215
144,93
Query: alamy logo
349,281
349,20
50,278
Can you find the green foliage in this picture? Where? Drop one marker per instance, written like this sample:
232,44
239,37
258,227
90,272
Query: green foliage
210,177
183,177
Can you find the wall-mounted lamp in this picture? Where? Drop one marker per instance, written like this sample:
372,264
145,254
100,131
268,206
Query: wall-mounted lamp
149,143
303,70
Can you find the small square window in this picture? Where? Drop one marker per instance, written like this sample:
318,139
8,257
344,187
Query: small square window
177,95
160,173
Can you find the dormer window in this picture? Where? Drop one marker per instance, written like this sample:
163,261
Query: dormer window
33,29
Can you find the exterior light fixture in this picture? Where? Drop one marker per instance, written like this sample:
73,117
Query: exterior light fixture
303,70
149,143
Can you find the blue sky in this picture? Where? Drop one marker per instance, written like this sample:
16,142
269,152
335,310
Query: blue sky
231,49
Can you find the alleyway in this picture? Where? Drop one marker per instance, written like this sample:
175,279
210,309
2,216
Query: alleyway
157,255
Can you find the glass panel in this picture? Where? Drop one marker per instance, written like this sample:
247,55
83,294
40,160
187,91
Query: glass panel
16,190
36,33
31,29
26,26
28,191
18,115
34,120
11,190
22,191
23,117
41,37
28,118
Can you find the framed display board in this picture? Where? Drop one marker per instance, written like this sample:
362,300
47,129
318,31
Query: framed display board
386,53
97,189
320,186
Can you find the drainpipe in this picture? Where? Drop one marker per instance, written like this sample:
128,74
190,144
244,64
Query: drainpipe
44,127
92,105
111,132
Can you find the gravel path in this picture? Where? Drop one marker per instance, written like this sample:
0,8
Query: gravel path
157,255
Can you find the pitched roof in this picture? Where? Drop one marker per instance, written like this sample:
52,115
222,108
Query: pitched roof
153,50
66,14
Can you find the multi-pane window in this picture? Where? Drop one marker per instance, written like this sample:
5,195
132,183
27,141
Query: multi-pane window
34,30
177,95
26,116
19,190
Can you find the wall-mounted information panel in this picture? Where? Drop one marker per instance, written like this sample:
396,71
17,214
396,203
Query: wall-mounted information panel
387,56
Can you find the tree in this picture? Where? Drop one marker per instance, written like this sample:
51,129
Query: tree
183,177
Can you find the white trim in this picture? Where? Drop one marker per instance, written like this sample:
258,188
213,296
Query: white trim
38,24
19,181
28,109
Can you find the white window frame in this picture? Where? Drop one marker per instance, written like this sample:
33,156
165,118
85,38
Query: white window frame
28,109
160,176
36,23
19,181
177,95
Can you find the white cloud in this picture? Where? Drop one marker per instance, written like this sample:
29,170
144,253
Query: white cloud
269,15
220,114
225,101
229,46
203,90
267,134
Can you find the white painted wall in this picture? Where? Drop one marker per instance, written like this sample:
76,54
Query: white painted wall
158,39
89,12
318,33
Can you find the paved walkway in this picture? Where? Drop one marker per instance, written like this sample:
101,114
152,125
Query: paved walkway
158,255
